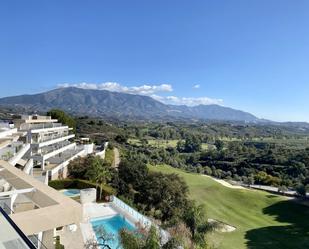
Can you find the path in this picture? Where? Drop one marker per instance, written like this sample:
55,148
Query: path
116,158
225,183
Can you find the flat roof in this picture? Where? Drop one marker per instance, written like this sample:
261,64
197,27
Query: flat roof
55,209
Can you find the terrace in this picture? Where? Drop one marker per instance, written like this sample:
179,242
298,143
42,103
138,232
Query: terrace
112,217
38,127
48,205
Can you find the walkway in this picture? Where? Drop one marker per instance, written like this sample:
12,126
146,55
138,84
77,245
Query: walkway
116,158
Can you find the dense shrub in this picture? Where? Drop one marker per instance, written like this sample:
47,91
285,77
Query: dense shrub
58,245
81,184
63,118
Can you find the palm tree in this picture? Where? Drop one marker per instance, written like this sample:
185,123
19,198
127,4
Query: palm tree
99,172
103,176
198,224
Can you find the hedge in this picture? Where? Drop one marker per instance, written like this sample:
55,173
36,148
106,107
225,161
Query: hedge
58,245
81,184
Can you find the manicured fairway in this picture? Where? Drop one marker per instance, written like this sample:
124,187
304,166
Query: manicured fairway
263,220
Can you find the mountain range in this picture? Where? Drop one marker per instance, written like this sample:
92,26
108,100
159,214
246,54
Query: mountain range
120,105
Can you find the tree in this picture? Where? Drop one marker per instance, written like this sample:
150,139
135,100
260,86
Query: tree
149,240
191,144
248,180
63,118
172,244
282,189
78,167
121,138
181,236
132,174
164,193
130,240
102,241
301,190
208,171
197,223
99,172
219,145
153,239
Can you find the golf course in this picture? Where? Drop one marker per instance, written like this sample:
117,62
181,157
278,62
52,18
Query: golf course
262,220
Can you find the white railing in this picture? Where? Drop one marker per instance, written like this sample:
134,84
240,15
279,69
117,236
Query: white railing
49,137
28,167
26,126
143,220
21,152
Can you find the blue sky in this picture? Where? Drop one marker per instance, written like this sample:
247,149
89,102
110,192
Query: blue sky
250,55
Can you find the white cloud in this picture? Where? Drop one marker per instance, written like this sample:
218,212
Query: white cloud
192,101
196,86
116,87
149,90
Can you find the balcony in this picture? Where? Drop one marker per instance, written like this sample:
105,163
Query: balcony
53,139
11,236
38,127
57,162
14,151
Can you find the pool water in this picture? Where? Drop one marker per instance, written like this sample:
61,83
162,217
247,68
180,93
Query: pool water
71,192
111,227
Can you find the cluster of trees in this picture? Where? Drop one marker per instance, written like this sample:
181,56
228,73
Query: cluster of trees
162,196
262,163
165,198
191,144
266,163
190,232
63,118
92,168
208,132
246,153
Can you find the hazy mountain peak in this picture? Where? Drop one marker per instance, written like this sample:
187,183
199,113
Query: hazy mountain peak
116,104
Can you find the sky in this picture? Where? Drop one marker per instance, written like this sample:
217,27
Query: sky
249,55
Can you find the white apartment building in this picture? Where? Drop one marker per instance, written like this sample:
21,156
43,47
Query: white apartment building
51,146
33,150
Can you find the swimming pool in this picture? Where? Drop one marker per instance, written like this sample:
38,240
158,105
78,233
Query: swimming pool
111,226
71,192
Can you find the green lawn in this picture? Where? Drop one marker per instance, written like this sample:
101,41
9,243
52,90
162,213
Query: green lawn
161,143
263,220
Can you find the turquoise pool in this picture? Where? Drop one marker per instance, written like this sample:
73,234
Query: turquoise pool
112,226
71,192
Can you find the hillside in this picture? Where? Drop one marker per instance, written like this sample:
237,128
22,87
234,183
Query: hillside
120,105
263,220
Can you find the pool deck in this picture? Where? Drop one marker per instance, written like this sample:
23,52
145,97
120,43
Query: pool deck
95,210
104,210
92,211
70,239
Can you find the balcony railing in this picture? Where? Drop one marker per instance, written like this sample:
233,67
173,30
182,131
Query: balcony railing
40,126
32,241
51,148
52,137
